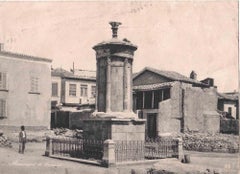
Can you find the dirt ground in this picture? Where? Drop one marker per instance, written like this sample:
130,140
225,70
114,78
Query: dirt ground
34,162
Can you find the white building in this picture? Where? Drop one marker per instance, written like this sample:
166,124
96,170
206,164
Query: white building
25,90
73,89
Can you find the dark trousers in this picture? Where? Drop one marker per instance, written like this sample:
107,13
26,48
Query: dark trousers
21,147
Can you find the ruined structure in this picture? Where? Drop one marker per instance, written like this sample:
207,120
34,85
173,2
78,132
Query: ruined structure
174,103
114,118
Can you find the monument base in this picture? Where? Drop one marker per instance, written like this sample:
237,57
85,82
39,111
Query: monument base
103,126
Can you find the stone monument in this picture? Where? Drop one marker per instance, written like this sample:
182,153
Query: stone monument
114,118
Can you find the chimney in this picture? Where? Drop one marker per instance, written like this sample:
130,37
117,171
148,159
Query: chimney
1,46
73,68
193,75
208,81
114,28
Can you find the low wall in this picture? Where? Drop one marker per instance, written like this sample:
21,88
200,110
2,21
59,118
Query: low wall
71,120
229,126
76,119
114,128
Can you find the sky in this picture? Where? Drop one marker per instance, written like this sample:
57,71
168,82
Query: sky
170,35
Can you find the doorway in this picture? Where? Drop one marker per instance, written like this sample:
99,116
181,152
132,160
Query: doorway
152,125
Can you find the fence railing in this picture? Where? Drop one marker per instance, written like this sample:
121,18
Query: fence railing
111,152
149,149
161,148
77,148
129,151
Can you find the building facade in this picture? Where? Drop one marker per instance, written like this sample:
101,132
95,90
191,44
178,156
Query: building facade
229,104
25,90
73,89
174,103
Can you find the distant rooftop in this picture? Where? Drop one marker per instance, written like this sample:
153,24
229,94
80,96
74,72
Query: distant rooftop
78,74
22,56
152,86
172,75
85,73
228,96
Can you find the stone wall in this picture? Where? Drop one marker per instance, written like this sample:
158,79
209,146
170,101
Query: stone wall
200,104
96,129
211,122
229,126
76,119
170,112
71,120
115,129
188,109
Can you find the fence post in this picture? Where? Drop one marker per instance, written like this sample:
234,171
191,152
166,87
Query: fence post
180,149
109,153
48,151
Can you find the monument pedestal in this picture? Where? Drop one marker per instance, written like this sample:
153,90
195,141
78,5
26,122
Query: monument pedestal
105,126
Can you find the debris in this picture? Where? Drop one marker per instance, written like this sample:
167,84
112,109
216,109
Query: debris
4,142
210,142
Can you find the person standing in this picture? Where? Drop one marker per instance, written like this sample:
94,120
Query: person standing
22,140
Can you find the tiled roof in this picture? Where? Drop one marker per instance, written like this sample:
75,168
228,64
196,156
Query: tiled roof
171,75
23,56
67,74
61,72
226,96
85,73
152,86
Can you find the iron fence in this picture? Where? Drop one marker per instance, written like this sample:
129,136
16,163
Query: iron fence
78,148
149,149
129,151
158,148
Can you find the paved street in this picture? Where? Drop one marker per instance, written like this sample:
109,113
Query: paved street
33,161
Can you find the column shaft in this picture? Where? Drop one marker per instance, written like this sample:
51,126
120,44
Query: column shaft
108,89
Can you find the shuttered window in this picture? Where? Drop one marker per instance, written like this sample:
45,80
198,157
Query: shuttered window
93,91
72,89
3,80
34,85
55,89
84,89
3,110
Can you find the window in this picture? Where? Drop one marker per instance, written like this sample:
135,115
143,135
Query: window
93,91
166,93
3,80
34,85
148,100
72,89
84,90
230,110
3,110
55,89
139,98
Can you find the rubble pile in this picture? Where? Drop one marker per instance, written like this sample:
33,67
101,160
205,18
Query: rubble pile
76,133
4,142
211,143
